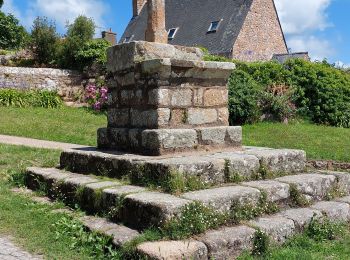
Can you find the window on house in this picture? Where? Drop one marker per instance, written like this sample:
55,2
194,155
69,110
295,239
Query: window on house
128,39
171,33
213,26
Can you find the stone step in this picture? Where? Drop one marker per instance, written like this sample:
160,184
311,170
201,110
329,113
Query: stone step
140,208
209,168
230,242
120,234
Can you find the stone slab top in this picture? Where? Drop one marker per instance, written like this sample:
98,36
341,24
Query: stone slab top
165,67
124,56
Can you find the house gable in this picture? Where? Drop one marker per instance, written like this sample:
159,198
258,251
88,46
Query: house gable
261,35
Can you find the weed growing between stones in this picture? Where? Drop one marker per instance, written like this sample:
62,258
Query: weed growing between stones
246,211
56,192
231,176
336,191
195,218
115,211
100,245
297,198
173,181
261,243
17,178
265,174
323,229
177,183
128,251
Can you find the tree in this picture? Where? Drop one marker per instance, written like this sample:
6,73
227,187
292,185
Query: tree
1,3
44,40
78,33
12,34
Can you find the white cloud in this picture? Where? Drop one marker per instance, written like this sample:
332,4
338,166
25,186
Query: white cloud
298,16
9,7
301,20
61,11
342,65
319,49
64,11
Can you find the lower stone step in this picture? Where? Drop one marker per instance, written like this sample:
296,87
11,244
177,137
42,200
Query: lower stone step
230,242
209,168
141,208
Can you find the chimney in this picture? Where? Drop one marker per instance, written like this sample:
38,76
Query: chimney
137,6
110,37
156,31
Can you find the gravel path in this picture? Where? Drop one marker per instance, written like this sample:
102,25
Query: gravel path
8,251
35,143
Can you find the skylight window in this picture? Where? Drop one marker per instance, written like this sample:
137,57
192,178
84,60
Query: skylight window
128,39
171,33
214,26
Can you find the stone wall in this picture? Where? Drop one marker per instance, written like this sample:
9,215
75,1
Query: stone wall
67,83
261,36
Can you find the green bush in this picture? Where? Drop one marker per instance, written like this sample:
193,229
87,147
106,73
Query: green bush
324,91
12,34
92,51
44,41
32,98
313,89
78,33
244,98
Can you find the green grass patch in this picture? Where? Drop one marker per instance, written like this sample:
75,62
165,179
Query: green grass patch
319,142
65,124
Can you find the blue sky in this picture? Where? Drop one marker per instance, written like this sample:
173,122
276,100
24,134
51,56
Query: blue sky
321,27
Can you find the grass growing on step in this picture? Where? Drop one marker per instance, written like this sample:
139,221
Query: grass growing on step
195,219
297,199
170,181
322,239
241,211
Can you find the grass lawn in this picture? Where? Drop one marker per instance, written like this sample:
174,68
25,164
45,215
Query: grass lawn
79,126
319,142
66,124
31,224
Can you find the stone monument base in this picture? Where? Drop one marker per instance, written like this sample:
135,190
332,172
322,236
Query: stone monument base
167,141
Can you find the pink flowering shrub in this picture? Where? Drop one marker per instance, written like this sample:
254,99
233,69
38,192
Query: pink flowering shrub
96,96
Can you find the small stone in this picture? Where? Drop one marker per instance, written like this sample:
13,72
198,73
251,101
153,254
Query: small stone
280,160
174,250
228,242
169,139
335,211
315,185
301,217
223,116
118,117
181,98
343,180
198,96
216,97
276,191
145,209
122,234
278,228
159,97
244,165
201,116
222,198
234,134
212,135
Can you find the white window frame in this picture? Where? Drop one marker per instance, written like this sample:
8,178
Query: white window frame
176,29
210,29
130,39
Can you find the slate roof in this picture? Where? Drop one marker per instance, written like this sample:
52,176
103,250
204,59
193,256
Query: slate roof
193,18
282,58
